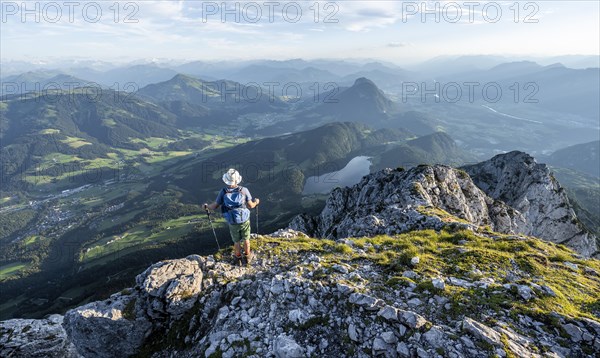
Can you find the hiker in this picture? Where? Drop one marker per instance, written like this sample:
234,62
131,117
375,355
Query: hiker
234,201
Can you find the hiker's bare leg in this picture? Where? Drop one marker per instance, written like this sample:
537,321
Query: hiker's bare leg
236,249
247,247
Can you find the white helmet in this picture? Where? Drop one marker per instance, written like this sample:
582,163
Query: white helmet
232,177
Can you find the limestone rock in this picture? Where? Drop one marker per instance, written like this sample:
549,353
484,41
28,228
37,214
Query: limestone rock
482,332
518,180
170,287
286,347
102,329
35,338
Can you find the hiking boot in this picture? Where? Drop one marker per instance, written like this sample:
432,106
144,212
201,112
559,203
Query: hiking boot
236,260
248,258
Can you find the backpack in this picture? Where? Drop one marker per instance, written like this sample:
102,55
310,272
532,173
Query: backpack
234,206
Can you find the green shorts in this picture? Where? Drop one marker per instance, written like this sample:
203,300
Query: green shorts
240,232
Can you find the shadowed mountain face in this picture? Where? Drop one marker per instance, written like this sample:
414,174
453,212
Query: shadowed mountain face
584,193
363,102
416,122
278,167
436,148
584,158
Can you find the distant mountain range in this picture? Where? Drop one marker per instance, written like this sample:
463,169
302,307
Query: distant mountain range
448,65
555,87
89,121
45,81
552,87
183,102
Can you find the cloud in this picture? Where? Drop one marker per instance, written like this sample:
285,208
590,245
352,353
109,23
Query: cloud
359,16
397,44
340,28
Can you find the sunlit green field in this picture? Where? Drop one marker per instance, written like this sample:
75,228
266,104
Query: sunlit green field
142,234
31,240
11,269
75,142
5,200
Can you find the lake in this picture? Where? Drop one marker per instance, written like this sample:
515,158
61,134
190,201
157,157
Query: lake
347,176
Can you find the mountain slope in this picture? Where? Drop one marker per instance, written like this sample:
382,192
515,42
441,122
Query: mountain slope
362,102
75,125
424,293
416,122
220,94
46,81
276,167
584,192
436,148
109,117
327,143
581,157
436,143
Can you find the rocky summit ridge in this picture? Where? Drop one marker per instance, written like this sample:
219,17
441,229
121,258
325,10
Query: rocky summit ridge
427,262
510,194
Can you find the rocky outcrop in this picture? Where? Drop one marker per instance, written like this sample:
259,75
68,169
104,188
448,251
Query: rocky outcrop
396,201
169,288
35,338
511,194
516,179
105,329
119,325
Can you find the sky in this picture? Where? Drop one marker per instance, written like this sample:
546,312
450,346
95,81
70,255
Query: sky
395,31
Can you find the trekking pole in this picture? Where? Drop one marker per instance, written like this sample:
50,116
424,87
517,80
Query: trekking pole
212,227
257,220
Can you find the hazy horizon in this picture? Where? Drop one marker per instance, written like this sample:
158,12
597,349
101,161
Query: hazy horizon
402,32
14,67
